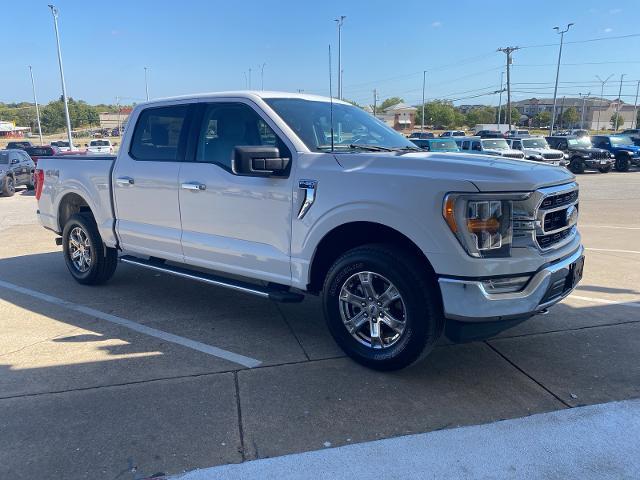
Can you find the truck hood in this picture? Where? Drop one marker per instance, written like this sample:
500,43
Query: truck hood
488,173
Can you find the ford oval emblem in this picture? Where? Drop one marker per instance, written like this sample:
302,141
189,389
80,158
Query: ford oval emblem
571,216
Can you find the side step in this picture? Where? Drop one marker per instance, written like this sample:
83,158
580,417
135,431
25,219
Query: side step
277,294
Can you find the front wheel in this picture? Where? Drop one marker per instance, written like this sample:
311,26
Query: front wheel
577,166
89,261
8,187
622,163
606,169
382,307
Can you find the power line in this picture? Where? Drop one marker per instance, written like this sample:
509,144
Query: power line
588,40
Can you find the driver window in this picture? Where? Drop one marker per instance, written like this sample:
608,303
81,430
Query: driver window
229,125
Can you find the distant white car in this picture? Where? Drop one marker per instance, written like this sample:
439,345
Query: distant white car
100,146
62,146
453,133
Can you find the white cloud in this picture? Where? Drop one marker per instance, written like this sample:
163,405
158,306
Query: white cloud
608,30
436,24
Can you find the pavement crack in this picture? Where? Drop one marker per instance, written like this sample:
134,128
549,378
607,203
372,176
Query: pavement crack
540,384
239,408
284,318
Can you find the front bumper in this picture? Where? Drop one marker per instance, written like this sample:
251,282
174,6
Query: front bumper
468,301
598,163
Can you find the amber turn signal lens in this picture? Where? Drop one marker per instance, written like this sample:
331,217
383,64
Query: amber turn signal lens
491,225
449,214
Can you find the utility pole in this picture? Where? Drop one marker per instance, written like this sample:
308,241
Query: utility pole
146,83
555,90
424,81
246,83
635,107
262,76
375,101
500,98
602,83
54,12
584,99
118,107
35,100
562,113
508,51
339,21
615,126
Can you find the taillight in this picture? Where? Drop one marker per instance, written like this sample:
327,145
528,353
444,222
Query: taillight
39,179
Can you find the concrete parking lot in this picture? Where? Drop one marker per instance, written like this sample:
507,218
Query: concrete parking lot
154,375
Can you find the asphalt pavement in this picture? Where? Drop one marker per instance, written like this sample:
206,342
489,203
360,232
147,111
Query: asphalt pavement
151,375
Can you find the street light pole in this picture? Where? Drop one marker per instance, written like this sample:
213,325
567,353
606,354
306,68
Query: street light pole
616,121
602,83
584,99
424,81
146,83
54,12
262,76
635,107
555,90
339,21
35,100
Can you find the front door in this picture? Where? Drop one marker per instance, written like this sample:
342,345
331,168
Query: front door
230,223
145,181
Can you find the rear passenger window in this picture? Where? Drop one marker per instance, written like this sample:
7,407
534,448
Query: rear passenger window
158,133
229,125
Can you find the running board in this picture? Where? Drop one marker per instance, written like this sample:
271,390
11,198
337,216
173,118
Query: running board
272,293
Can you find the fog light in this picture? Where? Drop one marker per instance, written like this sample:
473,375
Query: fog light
505,285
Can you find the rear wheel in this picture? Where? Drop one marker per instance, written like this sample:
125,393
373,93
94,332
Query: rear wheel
89,261
577,165
31,185
8,186
382,307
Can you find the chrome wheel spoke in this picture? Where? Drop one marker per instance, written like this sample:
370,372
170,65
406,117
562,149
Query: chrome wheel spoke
79,249
366,279
392,322
389,296
376,334
352,298
76,254
354,323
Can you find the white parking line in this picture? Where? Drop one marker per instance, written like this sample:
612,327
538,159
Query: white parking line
611,250
608,302
615,227
152,332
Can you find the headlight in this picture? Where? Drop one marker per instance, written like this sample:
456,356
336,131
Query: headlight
566,156
586,155
611,155
482,223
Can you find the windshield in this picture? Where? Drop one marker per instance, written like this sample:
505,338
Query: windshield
352,127
443,145
495,144
535,143
621,140
99,143
63,144
584,142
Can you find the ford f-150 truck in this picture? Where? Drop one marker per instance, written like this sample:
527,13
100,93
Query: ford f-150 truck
278,195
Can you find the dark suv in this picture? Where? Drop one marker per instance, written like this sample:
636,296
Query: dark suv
582,155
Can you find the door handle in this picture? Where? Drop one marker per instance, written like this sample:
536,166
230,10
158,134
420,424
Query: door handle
124,181
196,187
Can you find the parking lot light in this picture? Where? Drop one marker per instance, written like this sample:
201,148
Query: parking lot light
555,90
54,12
35,100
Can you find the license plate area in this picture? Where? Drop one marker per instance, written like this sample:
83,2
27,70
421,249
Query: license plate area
575,274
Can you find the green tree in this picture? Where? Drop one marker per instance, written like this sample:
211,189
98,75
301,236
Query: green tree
616,120
570,117
81,115
439,113
515,115
542,119
390,102
481,115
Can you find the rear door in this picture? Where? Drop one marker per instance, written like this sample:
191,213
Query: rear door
145,182
231,223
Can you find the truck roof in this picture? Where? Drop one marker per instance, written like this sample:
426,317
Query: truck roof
250,94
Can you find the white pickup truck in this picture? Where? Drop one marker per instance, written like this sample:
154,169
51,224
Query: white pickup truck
279,194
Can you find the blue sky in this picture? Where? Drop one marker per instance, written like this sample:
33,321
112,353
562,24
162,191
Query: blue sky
196,46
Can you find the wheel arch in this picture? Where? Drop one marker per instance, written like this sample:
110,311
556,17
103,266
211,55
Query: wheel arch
70,204
351,235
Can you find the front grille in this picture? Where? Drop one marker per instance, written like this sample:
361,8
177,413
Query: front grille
552,156
554,218
600,155
513,155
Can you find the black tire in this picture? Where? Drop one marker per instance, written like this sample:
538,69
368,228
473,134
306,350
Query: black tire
420,298
606,169
8,187
622,163
103,260
577,165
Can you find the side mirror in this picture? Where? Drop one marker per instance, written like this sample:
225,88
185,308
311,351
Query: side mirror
259,161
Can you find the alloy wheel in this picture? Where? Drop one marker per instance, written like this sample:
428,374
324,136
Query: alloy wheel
80,249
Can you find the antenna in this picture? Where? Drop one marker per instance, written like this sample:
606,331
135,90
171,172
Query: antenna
330,99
